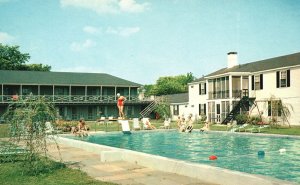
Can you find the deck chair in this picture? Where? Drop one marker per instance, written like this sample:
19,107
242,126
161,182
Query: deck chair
243,127
136,124
110,119
125,126
253,129
166,124
263,127
49,128
102,120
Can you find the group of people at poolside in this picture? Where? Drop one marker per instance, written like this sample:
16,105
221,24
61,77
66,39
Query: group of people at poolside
81,129
185,125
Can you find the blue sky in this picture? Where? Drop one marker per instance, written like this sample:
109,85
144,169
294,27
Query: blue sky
142,40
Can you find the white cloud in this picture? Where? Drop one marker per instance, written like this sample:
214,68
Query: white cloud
123,31
132,6
107,6
91,30
6,38
76,46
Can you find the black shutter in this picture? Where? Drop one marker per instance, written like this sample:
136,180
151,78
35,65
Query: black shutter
204,88
204,108
199,112
277,79
261,81
288,74
252,81
200,89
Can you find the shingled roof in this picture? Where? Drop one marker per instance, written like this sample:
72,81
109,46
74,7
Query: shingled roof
262,65
177,98
62,78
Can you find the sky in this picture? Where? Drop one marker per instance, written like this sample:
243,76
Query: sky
142,40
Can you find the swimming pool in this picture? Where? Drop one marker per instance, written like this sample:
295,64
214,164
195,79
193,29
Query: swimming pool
234,151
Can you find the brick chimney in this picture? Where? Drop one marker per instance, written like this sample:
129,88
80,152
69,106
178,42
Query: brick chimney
232,59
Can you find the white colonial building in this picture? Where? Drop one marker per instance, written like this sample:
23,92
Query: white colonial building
253,87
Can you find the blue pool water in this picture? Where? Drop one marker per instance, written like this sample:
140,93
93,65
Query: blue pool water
234,151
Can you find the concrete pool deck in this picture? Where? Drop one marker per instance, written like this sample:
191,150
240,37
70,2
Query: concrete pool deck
119,172
114,164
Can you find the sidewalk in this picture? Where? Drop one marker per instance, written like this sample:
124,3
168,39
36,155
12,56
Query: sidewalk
120,172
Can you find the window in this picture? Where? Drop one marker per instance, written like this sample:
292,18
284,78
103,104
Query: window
257,82
202,109
283,78
176,110
202,88
274,108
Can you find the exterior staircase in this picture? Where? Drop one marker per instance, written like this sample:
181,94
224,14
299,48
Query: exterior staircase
144,113
243,105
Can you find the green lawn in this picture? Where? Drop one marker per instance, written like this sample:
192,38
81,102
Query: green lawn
11,174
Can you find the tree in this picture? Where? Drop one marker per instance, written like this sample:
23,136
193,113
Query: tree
278,109
163,108
12,59
169,85
28,130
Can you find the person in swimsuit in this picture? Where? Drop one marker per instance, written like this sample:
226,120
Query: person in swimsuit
120,105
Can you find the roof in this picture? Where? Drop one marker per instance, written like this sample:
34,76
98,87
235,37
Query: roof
262,65
198,80
62,78
177,98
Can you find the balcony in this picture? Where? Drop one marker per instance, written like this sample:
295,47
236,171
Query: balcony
70,99
218,95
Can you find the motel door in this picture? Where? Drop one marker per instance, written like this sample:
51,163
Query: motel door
218,118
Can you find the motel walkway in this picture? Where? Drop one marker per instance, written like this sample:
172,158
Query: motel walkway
119,172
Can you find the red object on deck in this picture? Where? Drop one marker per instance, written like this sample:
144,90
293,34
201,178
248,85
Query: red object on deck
213,157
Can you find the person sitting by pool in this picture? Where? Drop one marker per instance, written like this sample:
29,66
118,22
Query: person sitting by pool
182,126
81,129
189,127
178,122
148,125
205,127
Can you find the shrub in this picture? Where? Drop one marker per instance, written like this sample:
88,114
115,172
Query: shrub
241,118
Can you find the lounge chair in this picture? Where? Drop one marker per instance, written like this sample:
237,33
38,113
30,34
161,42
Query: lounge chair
136,124
242,128
110,119
125,126
49,128
102,120
166,124
263,127
255,128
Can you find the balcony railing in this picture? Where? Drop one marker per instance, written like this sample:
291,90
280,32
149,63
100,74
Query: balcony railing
218,94
67,98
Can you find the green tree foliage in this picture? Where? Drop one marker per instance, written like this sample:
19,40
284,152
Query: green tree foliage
163,108
29,133
12,59
169,85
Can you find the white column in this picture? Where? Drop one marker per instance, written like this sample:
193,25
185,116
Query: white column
230,86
